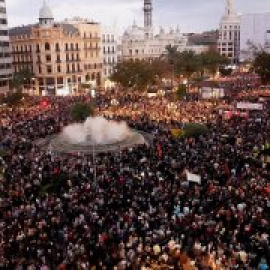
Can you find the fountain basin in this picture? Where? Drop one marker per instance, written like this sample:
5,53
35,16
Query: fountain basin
62,145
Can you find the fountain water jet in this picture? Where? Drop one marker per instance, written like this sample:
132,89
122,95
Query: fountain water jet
105,135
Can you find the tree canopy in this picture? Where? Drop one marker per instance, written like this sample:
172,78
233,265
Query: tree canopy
13,99
262,66
80,111
138,74
20,78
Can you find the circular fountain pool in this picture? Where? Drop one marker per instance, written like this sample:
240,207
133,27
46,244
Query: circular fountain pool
96,134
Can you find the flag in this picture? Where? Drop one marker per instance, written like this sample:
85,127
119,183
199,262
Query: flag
195,178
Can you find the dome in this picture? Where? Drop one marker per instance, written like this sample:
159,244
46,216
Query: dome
45,12
134,32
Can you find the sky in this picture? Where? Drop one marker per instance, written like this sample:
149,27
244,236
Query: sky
190,15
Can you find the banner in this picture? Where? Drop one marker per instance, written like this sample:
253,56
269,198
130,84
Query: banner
195,178
249,106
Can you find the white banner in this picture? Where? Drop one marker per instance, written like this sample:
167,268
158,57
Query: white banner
249,106
195,178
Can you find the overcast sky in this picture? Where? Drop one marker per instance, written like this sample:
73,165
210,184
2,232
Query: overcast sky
190,15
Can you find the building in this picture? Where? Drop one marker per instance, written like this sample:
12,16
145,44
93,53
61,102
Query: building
229,33
255,34
144,43
5,58
61,55
207,39
110,45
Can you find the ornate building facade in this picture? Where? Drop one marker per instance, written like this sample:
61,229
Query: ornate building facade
110,50
144,43
60,55
229,33
5,58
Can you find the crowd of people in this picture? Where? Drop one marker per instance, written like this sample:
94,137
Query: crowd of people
135,209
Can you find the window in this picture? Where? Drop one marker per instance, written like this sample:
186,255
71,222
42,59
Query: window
48,58
59,69
49,69
47,46
3,21
2,10
57,48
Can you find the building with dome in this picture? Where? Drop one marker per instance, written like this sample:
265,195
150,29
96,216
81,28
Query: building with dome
229,33
5,59
61,55
145,43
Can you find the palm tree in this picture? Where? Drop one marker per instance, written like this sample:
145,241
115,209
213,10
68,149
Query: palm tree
170,56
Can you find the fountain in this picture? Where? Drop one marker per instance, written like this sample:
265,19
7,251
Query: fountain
96,134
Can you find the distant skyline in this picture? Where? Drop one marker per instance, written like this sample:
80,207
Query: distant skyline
190,15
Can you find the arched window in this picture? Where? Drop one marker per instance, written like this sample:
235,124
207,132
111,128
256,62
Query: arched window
57,48
47,46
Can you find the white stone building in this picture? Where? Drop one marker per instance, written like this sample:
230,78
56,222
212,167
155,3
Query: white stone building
5,57
229,33
255,34
144,43
110,46
137,43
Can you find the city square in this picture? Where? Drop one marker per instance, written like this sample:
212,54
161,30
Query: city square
148,149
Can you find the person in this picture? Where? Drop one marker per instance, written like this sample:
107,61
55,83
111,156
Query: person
263,264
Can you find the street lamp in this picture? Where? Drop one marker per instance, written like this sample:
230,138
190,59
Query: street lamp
94,164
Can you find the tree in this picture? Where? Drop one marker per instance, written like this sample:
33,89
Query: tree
20,78
194,130
80,111
138,74
262,66
181,91
171,54
13,99
210,61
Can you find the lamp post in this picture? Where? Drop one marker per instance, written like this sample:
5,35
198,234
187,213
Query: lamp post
94,165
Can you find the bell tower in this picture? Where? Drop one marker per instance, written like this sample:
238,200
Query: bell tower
147,9
230,10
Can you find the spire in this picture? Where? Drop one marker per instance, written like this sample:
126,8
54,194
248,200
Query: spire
230,9
45,15
147,9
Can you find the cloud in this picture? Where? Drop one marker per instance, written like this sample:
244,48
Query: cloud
190,15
